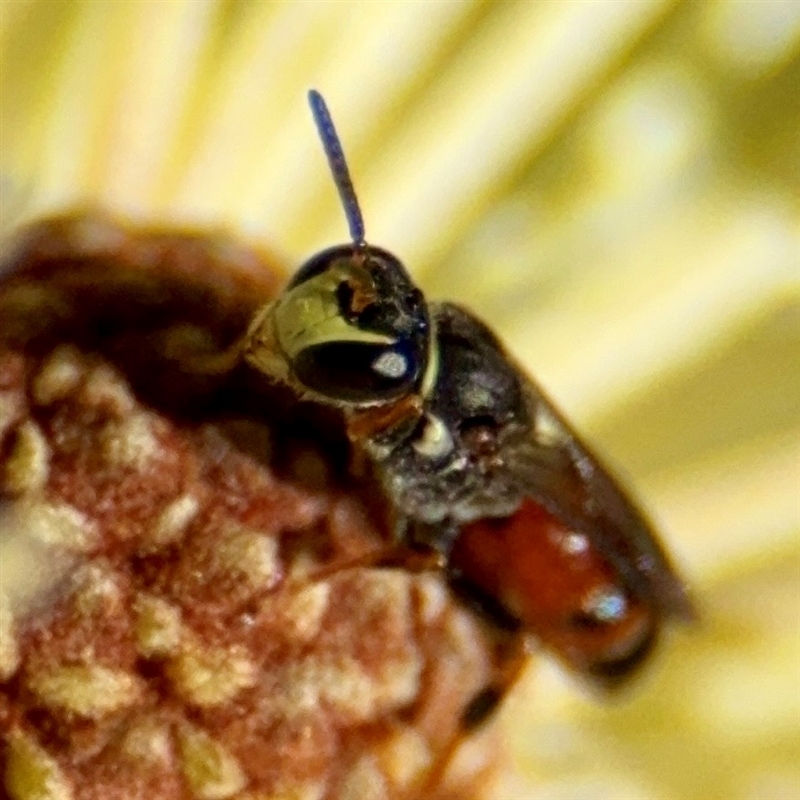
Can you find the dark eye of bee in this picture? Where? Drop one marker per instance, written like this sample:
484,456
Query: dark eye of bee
353,326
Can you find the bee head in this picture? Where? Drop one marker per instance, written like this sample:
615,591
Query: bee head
350,328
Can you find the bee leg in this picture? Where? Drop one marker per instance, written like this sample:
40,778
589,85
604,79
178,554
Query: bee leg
437,536
413,547
391,556
479,710
512,655
513,660
401,529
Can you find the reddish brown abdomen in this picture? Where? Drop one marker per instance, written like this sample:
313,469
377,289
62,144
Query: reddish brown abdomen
563,592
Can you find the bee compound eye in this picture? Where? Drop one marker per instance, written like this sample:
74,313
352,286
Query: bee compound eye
357,371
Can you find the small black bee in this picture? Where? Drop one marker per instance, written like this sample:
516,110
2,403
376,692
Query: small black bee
481,470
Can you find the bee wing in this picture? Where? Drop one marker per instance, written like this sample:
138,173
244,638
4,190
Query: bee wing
557,470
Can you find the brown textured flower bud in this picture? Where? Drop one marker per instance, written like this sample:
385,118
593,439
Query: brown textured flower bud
173,623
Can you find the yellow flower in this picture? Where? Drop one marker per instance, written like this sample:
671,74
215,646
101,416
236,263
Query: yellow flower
612,185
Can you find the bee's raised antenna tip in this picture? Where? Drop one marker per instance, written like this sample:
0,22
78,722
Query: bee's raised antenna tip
338,165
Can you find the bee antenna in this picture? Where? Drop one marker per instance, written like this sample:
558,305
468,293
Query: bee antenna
338,165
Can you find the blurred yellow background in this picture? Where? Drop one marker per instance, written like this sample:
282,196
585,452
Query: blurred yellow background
614,186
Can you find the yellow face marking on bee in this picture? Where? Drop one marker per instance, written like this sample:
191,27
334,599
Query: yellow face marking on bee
310,315
260,347
432,370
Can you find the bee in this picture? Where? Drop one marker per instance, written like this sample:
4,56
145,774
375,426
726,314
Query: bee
484,477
